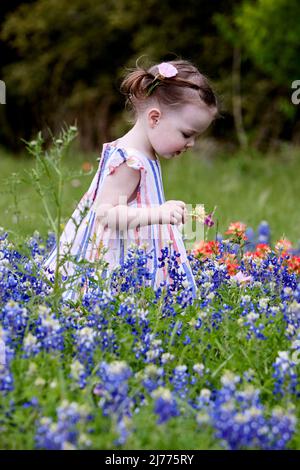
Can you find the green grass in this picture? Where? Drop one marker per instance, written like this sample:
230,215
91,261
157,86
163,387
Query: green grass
244,187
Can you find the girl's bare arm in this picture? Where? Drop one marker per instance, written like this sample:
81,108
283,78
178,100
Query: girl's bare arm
112,209
111,203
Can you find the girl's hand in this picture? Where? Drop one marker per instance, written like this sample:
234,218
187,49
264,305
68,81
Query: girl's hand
173,212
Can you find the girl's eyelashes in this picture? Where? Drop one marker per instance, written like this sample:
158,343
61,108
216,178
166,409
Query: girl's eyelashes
185,135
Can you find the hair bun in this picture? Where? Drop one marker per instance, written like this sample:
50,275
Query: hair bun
176,90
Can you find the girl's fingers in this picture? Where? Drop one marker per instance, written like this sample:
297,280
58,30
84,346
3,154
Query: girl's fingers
177,203
178,215
181,204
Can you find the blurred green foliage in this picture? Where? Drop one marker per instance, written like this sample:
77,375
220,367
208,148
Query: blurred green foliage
63,62
270,33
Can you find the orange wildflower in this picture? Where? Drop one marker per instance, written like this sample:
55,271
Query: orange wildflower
262,250
282,246
231,263
237,229
205,249
87,166
294,264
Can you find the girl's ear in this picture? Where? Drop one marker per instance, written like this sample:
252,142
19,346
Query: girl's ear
153,117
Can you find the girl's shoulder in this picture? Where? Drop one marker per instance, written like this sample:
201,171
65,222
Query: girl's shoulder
115,147
114,152
114,155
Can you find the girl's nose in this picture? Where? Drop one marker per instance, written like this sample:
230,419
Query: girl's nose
190,143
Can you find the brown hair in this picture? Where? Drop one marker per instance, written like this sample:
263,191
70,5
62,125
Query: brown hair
174,91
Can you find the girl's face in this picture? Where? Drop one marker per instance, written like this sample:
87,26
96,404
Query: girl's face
175,131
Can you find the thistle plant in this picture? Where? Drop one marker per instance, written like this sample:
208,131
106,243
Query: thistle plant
11,187
48,177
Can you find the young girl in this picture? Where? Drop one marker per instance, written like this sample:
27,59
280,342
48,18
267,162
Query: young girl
173,104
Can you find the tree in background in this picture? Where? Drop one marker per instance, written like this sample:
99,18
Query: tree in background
265,34
70,57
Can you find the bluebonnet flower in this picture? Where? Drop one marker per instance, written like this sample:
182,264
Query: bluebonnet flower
204,406
33,402
286,294
100,298
251,242
296,292
48,330
113,392
36,245
255,329
151,377
14,319
6,379
204,399
3,359
264,233
113,387
175,328
31,345
249,375
70,319
285,374
124,429
50,242
257,316
197,322
19,275
185,297
187,340
240,418
200,371
291,315
209,276
155,349
165,405
167,357
3,234
137,318
295,348
282,426
79,373
133,273
168,258
180,381
86,342
165,298
64,434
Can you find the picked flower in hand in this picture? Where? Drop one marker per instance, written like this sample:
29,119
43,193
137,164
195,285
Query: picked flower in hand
198,213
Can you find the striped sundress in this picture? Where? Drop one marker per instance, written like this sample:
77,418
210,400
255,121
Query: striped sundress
79,235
